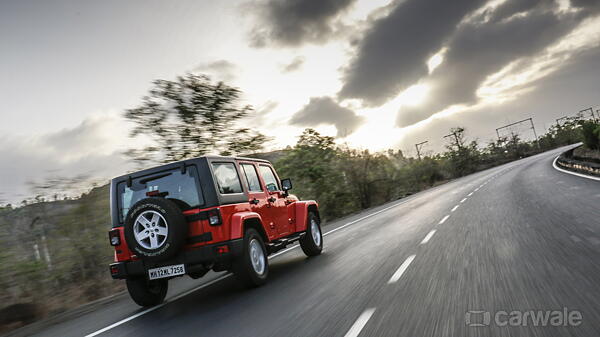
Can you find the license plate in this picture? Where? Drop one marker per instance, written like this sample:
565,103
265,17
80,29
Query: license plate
168,271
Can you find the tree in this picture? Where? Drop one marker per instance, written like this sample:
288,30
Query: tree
462,158
189,117
591,134
314,166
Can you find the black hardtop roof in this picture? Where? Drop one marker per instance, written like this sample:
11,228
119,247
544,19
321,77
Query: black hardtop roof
177,164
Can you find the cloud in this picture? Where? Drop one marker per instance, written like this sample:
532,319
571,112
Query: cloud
566,91
478,50
394,51
222,70
324,110
292,23
93,148
296,64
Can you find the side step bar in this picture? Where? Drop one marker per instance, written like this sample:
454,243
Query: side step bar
280,244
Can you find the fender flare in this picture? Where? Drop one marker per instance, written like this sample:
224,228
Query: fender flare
237,223
302,209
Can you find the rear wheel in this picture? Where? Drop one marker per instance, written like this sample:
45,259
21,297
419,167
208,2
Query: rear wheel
312,242
147,293
252,268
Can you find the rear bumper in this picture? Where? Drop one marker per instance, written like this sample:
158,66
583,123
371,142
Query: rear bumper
194,260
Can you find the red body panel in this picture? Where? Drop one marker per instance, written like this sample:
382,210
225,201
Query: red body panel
237,223
122,252
299,212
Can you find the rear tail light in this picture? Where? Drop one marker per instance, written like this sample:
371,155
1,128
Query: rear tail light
114,236
214,217
114,269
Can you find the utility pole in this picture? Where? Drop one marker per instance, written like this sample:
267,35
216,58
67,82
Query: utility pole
535,134
560,119
455,134
418,146
591,110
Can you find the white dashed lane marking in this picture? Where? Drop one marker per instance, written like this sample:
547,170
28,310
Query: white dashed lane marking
360,323
465,199
427,237
454,208
444,219
401,270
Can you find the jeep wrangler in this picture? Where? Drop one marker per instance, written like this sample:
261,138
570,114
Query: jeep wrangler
208,213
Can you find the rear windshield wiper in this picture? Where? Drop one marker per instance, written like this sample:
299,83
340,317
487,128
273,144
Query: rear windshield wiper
145,180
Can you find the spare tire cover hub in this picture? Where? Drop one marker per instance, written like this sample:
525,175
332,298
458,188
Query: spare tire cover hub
150,230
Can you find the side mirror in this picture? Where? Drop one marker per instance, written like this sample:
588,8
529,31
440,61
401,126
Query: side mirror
286,184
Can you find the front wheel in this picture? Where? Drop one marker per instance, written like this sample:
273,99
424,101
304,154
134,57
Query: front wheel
147,293
312,242
252,268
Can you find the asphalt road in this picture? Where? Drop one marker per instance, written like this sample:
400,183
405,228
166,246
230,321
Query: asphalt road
517,238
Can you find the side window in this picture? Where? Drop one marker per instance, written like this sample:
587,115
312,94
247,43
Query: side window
227,178
269,178
251,177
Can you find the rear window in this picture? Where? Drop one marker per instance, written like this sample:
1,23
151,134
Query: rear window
181,188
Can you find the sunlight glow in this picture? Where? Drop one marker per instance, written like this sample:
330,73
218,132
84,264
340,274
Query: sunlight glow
414,95
435,60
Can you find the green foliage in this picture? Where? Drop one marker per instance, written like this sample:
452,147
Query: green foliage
565,133
345,180
591,134
313,164
189,117
461,158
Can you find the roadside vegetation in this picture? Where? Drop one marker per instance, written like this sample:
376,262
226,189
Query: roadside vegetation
55,250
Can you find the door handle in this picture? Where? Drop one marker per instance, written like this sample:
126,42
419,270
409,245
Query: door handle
254,201
272,199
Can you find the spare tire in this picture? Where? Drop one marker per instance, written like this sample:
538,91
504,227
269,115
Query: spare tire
155,229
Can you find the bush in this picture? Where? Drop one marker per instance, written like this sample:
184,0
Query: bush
591,134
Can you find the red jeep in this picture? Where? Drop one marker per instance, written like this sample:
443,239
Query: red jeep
208,213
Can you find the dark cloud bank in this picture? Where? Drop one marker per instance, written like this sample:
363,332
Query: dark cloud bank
295,22
393,53
324,110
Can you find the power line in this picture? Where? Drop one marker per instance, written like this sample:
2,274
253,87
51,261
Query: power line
515,123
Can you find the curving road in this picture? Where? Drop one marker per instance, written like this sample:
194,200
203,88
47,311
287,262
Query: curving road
520,237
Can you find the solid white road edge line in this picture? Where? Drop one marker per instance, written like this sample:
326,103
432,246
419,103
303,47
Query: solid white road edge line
573,173
360,323
427,237
401,270
454,208
222,277
444,219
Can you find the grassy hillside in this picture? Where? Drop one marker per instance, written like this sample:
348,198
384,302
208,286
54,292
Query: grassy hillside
55,254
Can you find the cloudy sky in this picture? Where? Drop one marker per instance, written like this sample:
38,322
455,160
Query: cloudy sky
376,74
